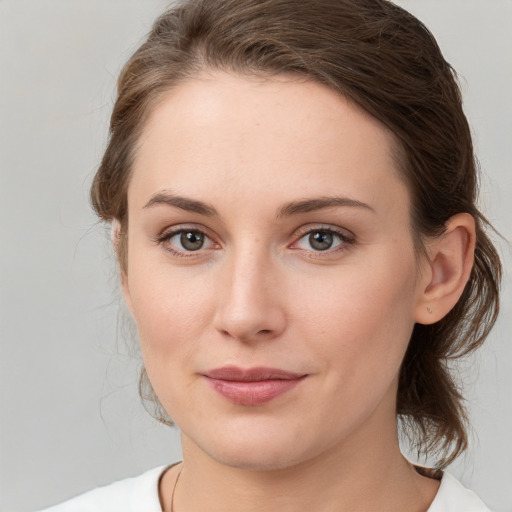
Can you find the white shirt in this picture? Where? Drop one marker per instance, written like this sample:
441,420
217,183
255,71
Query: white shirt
140,494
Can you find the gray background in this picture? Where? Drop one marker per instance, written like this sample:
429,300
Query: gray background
69,411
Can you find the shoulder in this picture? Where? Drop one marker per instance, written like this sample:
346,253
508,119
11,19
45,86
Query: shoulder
454,497
137,494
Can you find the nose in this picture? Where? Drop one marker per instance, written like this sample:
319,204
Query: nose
250,302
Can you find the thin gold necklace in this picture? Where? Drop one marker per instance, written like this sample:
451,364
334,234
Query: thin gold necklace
173,491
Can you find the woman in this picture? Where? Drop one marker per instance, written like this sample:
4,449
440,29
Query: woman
291,187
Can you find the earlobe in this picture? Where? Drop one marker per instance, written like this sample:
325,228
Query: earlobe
450,262
126,291
115,235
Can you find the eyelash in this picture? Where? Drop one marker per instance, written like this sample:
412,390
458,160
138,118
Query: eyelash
345,240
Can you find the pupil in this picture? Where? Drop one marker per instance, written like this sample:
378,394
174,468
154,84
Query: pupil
320,240
192,240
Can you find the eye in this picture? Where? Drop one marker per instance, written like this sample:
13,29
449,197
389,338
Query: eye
188,240
184,241
323,239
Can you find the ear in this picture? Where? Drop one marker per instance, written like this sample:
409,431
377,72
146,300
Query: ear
115,233
447,270
126,291
115,236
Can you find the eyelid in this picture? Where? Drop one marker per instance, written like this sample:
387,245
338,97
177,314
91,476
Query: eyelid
170,230
308,228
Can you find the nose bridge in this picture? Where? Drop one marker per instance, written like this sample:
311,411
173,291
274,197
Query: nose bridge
249,304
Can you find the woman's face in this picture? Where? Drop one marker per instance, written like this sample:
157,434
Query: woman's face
271,269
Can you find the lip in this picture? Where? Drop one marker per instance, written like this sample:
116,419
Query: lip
252,386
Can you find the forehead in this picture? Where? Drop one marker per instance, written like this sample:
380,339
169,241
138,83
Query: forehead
228,134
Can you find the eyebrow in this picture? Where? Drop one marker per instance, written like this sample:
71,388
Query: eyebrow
183,203
290,209
310,205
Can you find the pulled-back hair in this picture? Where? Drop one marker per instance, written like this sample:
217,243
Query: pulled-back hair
384,59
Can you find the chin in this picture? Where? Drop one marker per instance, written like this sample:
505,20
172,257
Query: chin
256,451
251,460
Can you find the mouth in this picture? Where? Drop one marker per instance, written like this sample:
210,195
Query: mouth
252,386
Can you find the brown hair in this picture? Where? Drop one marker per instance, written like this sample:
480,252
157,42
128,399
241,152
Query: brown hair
387,61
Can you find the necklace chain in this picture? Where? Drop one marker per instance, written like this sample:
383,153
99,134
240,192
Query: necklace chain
174,490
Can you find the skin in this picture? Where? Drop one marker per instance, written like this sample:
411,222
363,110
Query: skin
259,294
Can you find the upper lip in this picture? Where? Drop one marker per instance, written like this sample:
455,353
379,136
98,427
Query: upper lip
260,373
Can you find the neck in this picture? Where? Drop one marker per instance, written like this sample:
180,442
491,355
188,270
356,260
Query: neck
320,485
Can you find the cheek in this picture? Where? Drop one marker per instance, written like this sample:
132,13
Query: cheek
362,321
170,310
171,317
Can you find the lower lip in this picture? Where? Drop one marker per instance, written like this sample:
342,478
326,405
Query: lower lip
254,392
